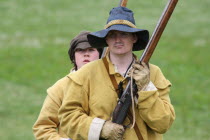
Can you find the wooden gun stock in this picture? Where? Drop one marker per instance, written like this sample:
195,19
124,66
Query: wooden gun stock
124,103
123,3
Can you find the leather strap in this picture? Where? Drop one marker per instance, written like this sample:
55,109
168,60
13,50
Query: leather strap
112,78
136,128
114,83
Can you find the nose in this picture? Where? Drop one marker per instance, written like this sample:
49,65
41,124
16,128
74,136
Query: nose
86,52
117,37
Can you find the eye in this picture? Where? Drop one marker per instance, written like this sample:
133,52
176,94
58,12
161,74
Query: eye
92,49
78,50
110,35
124,34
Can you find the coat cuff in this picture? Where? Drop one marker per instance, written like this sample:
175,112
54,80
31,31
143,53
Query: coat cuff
150,87
65,139
95,129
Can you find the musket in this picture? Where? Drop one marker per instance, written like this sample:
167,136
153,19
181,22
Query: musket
125,101
123,3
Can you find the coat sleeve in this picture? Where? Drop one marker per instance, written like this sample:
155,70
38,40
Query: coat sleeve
73,114
155,107
45,128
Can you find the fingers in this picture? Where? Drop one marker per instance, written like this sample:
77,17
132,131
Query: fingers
145,65
120,133
121,129
129,73
139,66
112,131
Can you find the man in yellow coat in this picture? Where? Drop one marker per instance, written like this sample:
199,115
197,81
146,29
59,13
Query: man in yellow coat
90,95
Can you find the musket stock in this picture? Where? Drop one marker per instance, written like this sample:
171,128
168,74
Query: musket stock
123,3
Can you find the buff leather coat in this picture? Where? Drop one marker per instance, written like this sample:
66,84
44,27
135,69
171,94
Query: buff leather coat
47,126
90,94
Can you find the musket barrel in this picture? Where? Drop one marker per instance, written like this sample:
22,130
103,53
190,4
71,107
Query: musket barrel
158,31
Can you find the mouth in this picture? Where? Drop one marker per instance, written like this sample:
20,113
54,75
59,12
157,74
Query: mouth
118,45
86,61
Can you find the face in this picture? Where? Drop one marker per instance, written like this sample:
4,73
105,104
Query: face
84,56
120,42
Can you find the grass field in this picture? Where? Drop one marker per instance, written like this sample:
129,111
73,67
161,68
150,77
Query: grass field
34,40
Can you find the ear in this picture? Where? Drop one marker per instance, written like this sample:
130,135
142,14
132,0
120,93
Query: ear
135,38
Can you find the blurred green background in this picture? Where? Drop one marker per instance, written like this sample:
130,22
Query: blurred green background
34,40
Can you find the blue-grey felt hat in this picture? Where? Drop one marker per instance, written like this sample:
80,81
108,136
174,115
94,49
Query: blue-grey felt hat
120,19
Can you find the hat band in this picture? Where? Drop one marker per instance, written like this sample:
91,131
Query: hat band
114,22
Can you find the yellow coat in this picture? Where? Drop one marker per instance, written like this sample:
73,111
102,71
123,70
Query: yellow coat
90,94
47,126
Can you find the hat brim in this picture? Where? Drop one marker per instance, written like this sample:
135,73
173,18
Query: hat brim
97,39
83,45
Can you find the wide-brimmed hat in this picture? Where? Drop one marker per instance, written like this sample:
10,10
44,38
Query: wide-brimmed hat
120,19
